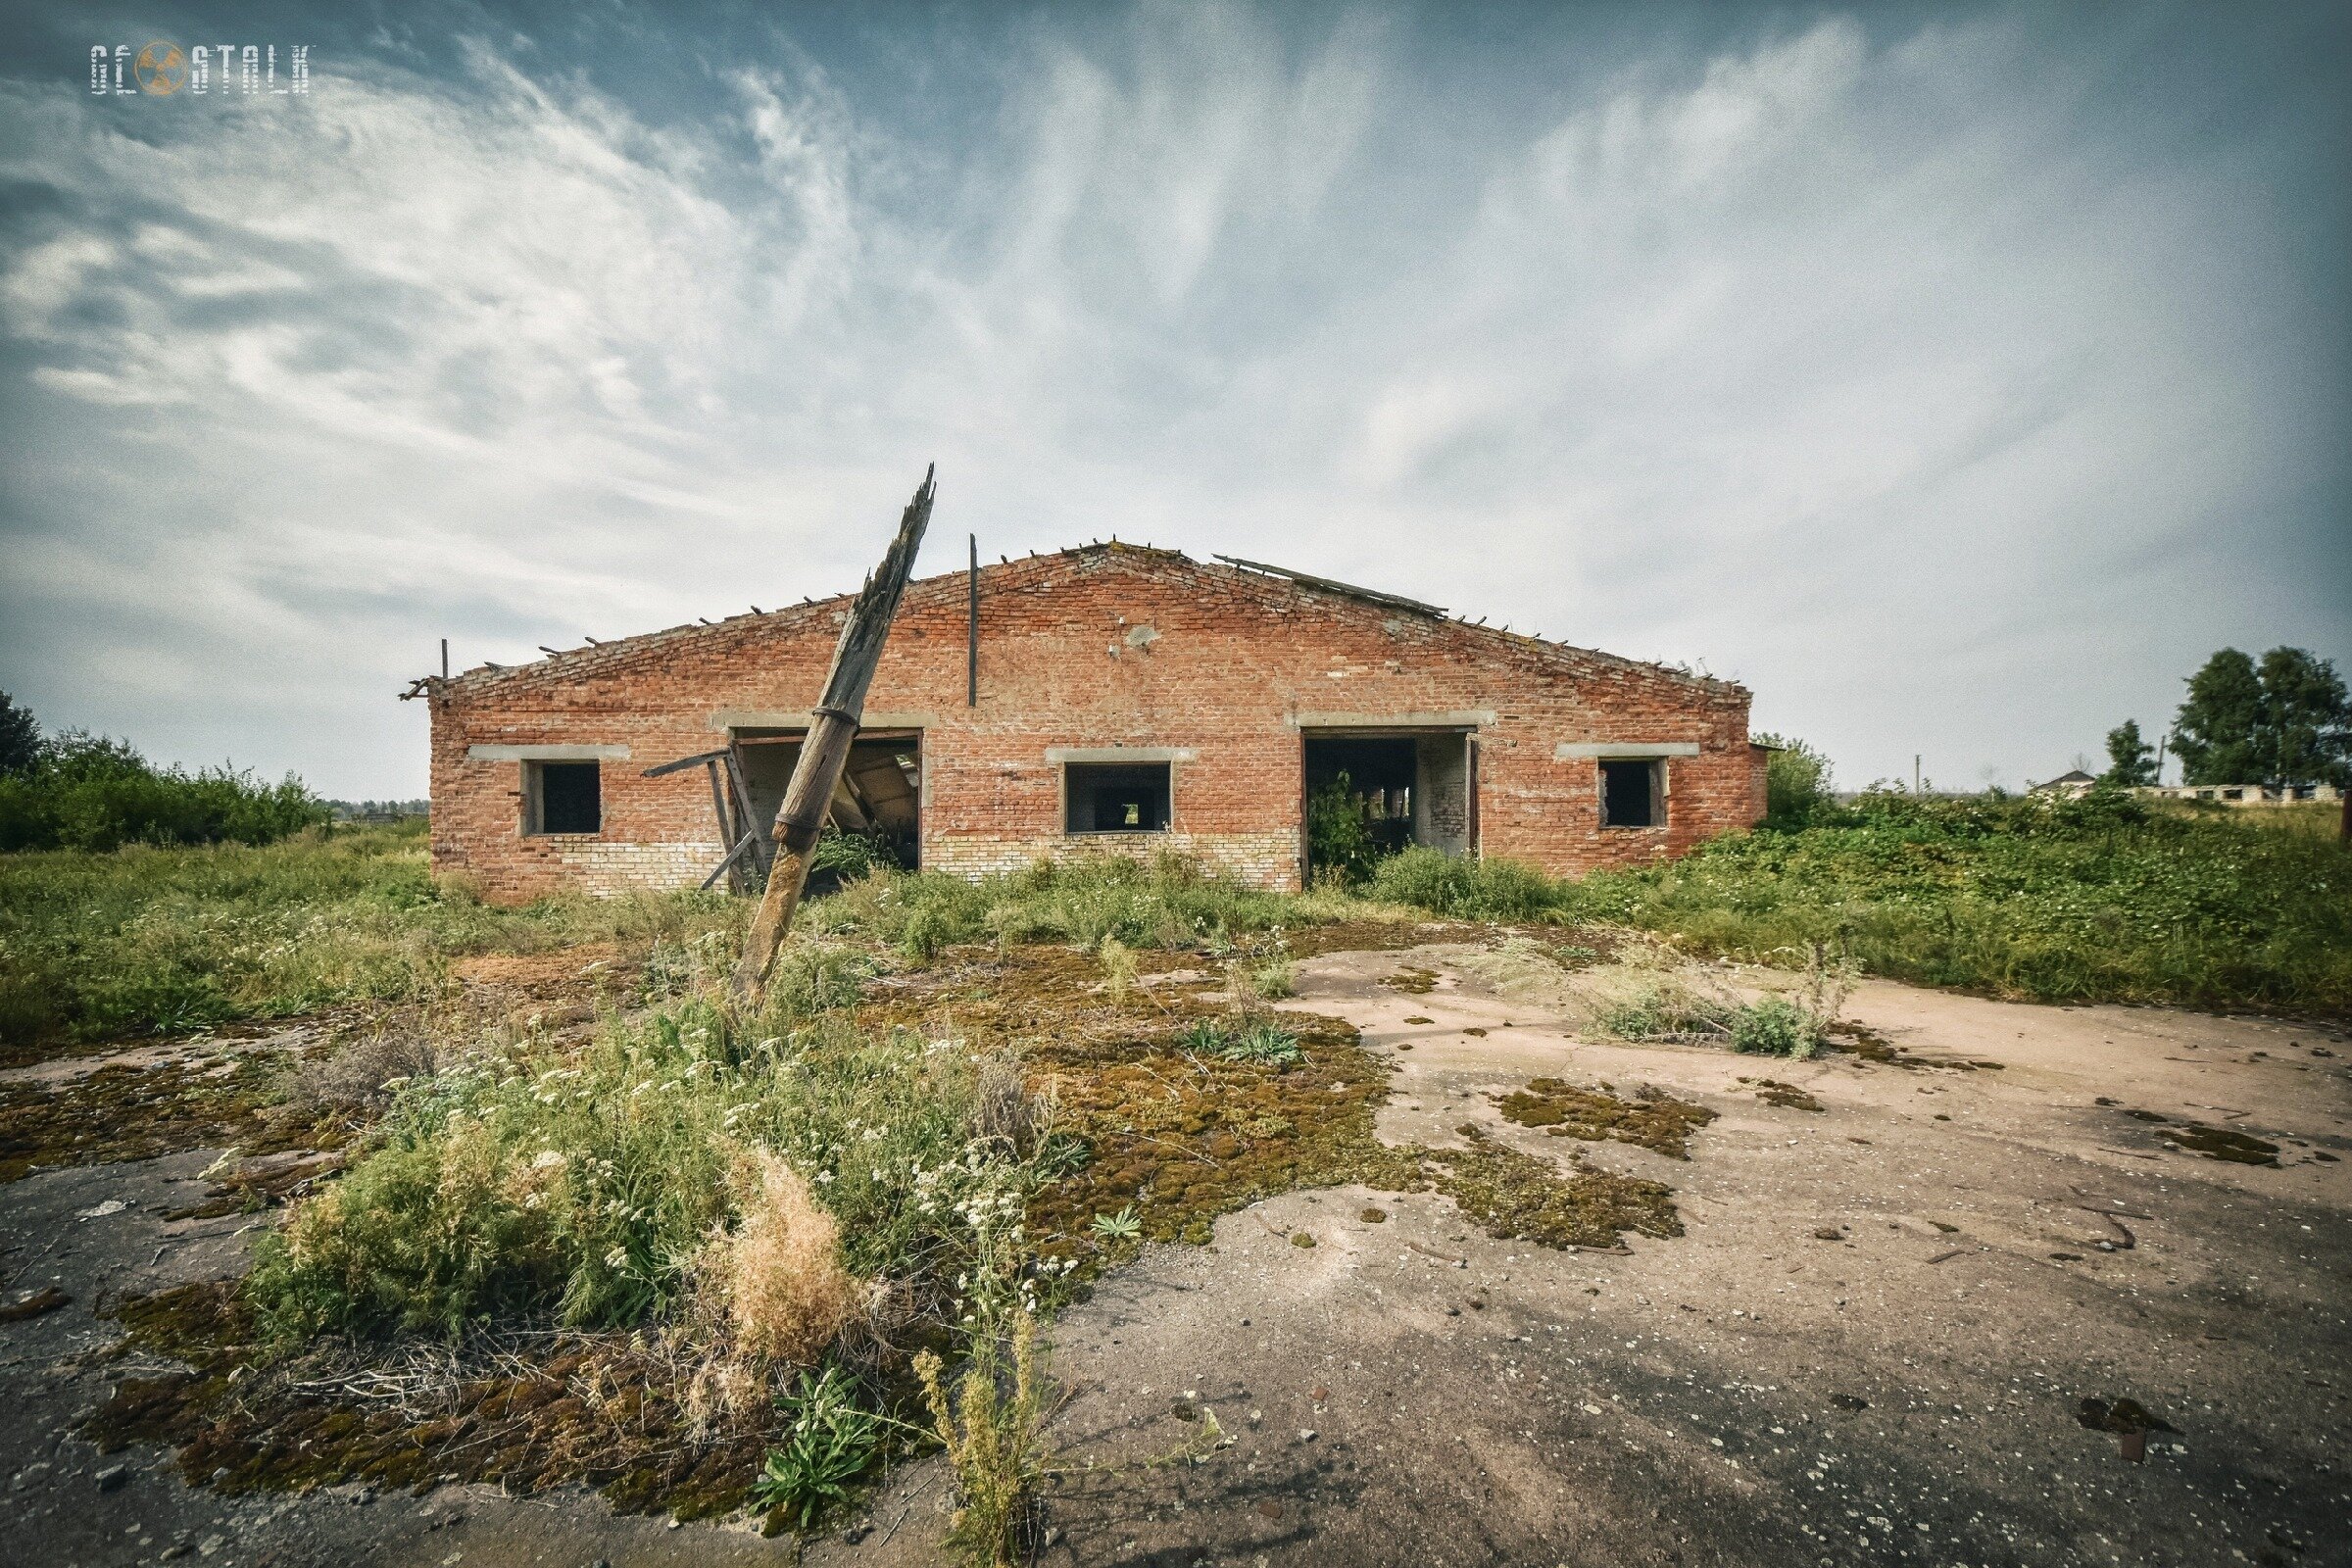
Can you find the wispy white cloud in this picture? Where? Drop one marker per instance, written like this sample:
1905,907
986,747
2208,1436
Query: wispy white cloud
1876,370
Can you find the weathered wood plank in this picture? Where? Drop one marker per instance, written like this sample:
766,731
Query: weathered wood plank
833,726
739,781
734,860
682,763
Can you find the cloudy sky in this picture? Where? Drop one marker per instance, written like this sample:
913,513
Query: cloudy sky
1957,379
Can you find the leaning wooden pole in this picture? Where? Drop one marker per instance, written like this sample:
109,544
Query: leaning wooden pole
832,727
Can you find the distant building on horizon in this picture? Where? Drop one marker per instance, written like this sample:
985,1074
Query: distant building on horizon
2072,784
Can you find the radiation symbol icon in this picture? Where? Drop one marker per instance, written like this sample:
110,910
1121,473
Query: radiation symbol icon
161,69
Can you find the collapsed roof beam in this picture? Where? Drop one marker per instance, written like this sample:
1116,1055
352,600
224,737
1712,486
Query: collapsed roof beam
1307,579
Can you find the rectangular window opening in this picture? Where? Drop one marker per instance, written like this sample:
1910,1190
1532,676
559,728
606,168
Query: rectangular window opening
1115,797
1633,793
562,798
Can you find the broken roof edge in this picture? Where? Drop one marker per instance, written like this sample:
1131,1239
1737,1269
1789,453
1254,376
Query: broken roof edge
1332,585
1269,575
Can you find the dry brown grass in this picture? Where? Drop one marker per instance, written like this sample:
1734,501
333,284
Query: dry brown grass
778,1274
1002,1105
361,1075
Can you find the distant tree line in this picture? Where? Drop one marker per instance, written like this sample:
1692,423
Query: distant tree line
77,791
2280,722
377,811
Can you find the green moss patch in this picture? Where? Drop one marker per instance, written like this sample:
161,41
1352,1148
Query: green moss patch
1787,1097
603,1411
1519,1197
1650,1119
126,1111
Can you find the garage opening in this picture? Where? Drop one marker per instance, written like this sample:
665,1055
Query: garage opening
1115,797
1370,794
878,802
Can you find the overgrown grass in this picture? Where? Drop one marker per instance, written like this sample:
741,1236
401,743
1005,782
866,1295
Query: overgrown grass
100,944
1169,902
580,1186
2101,899
2107,898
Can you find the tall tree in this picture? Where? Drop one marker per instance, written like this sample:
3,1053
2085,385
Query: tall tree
19,737
2215,732
2287,722
2130,760
1796,781
2307,719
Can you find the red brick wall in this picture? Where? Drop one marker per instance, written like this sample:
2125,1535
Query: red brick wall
1091,648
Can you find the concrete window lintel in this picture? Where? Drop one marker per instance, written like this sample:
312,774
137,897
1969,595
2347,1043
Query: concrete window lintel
728,718
1622,750
546,754
1122,753
1465,719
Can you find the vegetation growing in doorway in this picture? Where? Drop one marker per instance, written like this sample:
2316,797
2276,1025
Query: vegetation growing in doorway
1340,847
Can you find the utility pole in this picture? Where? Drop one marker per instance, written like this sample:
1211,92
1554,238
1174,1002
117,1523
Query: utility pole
833,725
1915,760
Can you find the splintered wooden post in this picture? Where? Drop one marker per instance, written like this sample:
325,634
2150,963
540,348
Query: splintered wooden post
832,727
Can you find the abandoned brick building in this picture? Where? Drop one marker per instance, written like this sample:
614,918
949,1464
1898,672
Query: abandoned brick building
1121,699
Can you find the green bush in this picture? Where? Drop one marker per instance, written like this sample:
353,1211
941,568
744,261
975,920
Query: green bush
528,1182
1339,843
846,857
1796,782
1465,886
1775,1027
1668,1011
84,792
829,1441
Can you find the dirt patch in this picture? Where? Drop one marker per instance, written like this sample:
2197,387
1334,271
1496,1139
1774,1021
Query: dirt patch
1182,1136
1861,1040
559,972
1650,1119
1174,1136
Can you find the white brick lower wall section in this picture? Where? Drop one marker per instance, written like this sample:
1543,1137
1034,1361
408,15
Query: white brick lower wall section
606,868
1261,859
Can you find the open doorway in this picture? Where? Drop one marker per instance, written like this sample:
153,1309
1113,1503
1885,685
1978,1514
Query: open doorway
1370,794
878,801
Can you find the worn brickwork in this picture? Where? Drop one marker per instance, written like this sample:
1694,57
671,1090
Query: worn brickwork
1096,648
